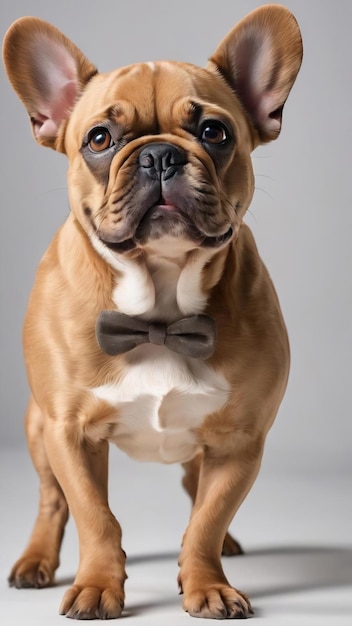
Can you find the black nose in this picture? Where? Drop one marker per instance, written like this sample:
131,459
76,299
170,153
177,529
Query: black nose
162,160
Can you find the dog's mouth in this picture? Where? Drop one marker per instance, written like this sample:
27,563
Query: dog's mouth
162,219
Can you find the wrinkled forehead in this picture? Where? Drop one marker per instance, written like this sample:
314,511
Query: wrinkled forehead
153,97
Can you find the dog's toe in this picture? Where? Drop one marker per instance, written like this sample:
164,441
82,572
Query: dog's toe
218,602
31,572
92,603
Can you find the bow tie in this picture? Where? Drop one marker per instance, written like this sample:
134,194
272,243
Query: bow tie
191,336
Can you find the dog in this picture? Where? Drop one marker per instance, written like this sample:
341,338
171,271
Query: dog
153,323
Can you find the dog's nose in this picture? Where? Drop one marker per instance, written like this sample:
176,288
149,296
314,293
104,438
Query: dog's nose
162,160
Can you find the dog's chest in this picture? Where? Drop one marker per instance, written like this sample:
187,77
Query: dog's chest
160,400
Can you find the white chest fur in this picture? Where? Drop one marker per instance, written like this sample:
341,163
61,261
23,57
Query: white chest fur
162,397
160,400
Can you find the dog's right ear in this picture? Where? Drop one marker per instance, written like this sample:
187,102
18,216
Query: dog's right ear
48,72
260,59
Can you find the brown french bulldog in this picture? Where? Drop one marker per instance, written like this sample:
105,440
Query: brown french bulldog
153,323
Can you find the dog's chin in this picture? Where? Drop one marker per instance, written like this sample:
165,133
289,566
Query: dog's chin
166,220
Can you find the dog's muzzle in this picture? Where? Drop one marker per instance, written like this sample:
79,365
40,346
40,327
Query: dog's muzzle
166,200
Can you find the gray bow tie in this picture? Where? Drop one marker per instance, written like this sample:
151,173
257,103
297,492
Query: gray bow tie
191,336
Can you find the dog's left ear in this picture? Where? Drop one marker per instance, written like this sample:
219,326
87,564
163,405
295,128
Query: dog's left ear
47,71
260,59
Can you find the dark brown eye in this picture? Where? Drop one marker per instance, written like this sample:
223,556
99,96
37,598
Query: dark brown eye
99,139
214,133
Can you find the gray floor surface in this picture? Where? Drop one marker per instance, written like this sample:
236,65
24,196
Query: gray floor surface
295,528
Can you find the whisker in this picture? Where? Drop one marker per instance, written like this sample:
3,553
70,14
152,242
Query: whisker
55,189
264,191
265,176
248,212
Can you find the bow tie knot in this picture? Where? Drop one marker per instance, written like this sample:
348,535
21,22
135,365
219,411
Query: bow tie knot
192,336
157,333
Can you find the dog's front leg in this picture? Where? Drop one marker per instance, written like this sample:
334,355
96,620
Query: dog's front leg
81,468
224,480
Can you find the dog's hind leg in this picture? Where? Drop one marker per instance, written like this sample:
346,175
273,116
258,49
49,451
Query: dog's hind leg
37,565
230,547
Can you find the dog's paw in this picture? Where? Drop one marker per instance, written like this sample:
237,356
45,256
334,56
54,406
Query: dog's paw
32,571
218,602
231,547
92,603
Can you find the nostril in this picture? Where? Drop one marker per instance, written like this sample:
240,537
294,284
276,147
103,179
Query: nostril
161,156
166,160
170,171
146,159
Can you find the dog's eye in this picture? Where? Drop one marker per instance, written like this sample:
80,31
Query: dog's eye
214,132
99,139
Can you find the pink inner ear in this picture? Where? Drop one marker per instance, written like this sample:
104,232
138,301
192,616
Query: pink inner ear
57,85
256,79
268,104
53,113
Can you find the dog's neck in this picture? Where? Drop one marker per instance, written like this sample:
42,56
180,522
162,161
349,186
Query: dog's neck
167,282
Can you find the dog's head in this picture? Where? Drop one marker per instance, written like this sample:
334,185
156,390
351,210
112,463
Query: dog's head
158,150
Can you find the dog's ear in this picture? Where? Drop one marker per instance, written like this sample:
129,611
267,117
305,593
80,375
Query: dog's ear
260,59
47,71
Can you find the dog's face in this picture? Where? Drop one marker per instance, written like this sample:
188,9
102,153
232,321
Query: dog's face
158,151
